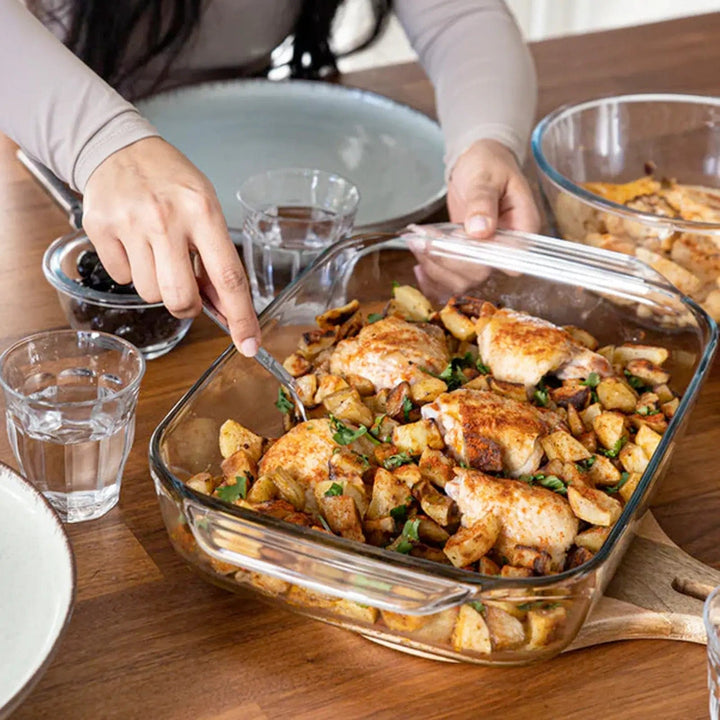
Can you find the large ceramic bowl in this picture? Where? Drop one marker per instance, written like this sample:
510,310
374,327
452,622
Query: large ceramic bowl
400,600
617,140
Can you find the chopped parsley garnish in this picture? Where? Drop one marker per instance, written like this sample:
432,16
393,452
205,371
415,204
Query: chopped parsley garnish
477,606
408,537
231,493
453,374
399,513
541,396
343,434
283,404
407,406
645,410
395,284
586,464
483,370
334,489
538,605
463,465
615,488
551,482
324,523
614,451
592,380
395,461
374,317
636,382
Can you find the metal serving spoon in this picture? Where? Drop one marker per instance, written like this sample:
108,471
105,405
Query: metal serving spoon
263,357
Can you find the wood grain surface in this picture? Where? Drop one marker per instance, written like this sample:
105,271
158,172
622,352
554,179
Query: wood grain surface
148,639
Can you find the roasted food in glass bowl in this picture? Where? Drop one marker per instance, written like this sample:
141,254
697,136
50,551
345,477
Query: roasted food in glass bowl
638,174
473,464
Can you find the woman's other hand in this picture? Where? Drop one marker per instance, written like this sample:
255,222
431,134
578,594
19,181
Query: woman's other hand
487,190
146,208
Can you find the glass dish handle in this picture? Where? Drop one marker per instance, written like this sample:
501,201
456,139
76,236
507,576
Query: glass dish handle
320,568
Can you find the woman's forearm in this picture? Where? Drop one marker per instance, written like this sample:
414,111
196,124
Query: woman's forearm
482,71
54,106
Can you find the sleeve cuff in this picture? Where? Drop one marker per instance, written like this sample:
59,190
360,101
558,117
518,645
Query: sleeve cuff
120,131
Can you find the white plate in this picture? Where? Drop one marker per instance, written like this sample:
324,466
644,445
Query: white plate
37,586
233,130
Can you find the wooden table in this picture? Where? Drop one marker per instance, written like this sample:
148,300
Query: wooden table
148,639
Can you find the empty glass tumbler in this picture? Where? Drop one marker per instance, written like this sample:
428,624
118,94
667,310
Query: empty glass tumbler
70,400
290,216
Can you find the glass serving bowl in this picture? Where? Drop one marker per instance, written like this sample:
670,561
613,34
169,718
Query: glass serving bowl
407,602
617,140
148,326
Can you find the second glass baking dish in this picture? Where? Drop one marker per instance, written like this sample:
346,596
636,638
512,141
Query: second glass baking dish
403,601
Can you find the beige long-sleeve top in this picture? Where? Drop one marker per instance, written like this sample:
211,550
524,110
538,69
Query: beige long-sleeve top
61,113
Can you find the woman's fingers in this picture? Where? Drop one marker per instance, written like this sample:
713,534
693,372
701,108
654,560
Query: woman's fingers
146,208
225,271
519,211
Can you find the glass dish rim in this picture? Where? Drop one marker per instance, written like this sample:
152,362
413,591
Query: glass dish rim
114,395
62,283
599,203
484,582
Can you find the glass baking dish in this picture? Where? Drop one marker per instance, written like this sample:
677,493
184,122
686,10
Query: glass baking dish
402,601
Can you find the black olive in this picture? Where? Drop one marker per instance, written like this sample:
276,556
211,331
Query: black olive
87,260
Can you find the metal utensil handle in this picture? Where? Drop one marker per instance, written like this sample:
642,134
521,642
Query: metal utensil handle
275,368
56,188
320,568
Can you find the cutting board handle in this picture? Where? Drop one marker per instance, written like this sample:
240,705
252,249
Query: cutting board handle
657,593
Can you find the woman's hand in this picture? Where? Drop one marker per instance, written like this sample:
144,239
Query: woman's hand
146,207
487,190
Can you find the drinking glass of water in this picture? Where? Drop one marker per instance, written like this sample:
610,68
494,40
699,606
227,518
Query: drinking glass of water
290,217
70,398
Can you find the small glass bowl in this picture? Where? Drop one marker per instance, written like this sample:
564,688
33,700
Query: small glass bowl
148,326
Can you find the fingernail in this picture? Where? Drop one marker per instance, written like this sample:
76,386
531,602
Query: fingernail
416,244
477,224
249,347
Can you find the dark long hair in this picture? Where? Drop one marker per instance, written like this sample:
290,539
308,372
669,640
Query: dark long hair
118,39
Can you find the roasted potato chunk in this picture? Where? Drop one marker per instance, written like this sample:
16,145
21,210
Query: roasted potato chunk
544,626
615,394
593,506
603,472
623,354
581,336
262,490
471,632
314,342
202,483
412,304
506,631
342,516
346,404
388,492
426,390
415,437
610,428
572,395
335,317
296,364
457,324
670,408
648,440
307,388
239,463
536,560
629,486
469,544
361,384
633,458
356,611
234,437
593,538
436,467
561,445
328,385
399,402
647,371
436,505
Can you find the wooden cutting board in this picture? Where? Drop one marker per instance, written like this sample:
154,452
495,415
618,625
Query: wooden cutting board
657,593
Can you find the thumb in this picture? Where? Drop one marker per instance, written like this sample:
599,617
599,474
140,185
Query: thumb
481,211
